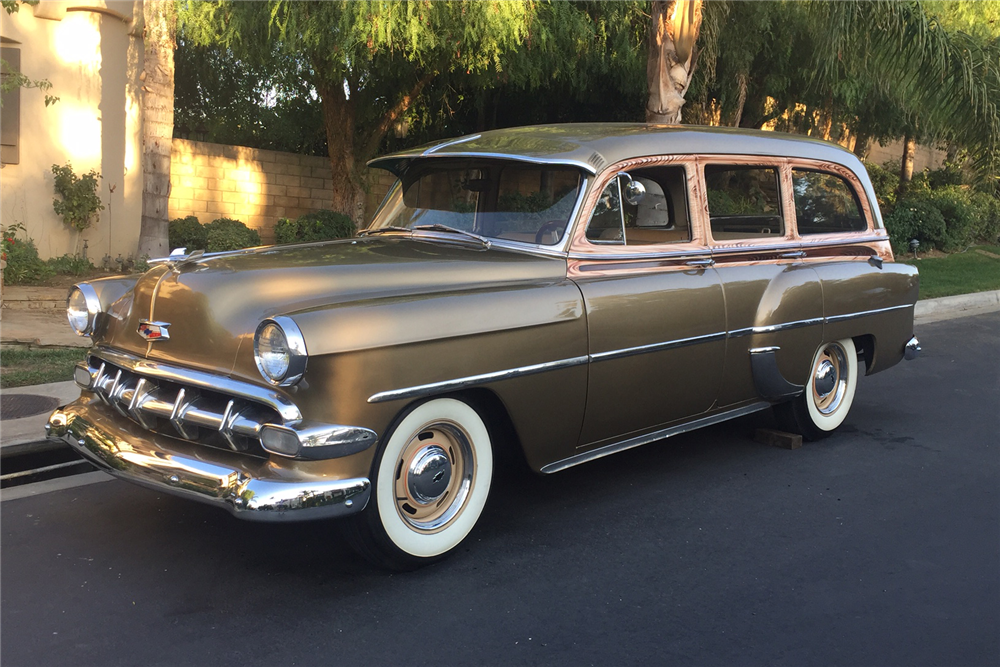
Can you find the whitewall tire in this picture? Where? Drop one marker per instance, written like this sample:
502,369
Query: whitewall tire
829,392
431,479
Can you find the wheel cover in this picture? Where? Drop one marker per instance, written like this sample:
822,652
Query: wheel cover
434,475
830,378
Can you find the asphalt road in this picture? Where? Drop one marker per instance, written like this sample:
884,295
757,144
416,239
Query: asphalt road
878,546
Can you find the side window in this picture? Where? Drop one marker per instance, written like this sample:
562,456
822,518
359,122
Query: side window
825,204
743,202
660,216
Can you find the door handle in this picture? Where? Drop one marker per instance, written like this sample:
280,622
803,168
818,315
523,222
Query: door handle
701,263
793,255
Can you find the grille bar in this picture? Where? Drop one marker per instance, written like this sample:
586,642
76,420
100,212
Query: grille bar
191,413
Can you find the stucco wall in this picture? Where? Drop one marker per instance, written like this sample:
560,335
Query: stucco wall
254,186
924,157
93,60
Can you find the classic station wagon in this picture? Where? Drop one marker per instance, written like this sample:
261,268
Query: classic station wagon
566,291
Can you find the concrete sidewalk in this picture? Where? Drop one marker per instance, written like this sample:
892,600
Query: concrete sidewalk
52,329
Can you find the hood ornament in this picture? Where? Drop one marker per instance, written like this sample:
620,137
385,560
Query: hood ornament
154,331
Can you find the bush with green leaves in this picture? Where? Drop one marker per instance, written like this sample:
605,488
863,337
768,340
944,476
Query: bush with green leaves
70,265
228,234
918,219
80,202
321,225
987,217
885,183
24,266
187,233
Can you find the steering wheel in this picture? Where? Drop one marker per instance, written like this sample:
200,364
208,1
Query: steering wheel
550,226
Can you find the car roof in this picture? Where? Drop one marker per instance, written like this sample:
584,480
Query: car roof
593,146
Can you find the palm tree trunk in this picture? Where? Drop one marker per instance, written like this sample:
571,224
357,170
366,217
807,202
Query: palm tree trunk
906,165
160,17
673,33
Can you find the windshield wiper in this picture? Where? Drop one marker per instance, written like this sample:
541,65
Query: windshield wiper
437,227
381,230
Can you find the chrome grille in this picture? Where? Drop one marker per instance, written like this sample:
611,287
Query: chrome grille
191,413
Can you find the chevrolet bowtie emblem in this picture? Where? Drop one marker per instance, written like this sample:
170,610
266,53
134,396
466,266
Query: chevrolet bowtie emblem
154,330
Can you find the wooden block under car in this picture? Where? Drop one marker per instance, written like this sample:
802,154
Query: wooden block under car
769,436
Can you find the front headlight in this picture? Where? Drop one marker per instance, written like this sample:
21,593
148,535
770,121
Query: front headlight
82,308
280,351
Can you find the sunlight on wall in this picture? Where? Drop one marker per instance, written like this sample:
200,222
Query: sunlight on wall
80,133
78,40
132,121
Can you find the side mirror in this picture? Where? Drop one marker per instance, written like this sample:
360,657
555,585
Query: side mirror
634,191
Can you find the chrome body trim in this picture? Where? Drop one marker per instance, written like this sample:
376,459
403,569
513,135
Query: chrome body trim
298,356
154,331
473,380
865,313
912,349
215,477
288,411
715,251
656,347
640,440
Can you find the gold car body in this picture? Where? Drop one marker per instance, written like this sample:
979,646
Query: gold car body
582,349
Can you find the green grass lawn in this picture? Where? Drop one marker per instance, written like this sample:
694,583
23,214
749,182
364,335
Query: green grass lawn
959,273
22,366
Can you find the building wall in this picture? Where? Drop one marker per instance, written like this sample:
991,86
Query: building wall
255,186
93,59
924,157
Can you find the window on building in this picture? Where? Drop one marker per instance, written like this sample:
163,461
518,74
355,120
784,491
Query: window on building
10,111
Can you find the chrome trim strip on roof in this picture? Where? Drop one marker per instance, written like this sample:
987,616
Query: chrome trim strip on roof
453,142
569,162
657,347
640,440
218,383
472,380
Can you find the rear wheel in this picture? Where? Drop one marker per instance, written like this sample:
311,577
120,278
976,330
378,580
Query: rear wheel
431,479
828,395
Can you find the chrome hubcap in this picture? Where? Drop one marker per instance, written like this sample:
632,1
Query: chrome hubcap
434,476
429,474
829,382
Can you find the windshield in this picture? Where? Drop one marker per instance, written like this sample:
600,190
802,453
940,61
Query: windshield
500,200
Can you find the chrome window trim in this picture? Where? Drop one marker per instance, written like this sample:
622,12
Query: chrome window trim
447,144
569,162
640,440
510,373
218,383
728,250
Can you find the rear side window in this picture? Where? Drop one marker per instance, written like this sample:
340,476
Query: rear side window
743,202
825,204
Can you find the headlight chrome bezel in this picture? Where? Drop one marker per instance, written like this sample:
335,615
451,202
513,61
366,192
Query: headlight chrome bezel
93,304
297,354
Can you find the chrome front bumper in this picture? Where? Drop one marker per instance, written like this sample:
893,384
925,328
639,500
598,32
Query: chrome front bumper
249,488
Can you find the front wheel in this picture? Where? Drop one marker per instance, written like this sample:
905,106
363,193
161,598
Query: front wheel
431,479
828,395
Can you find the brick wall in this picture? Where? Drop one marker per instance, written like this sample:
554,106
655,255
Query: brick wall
254,186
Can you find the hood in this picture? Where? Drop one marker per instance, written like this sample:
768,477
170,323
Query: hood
214,305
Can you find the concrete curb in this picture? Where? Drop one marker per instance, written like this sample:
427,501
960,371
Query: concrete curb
952,307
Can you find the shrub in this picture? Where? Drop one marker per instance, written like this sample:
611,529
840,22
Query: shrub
987,217
187,233
955,205
885,183
80,201
228,234
316,226
915,219
68,265
23,264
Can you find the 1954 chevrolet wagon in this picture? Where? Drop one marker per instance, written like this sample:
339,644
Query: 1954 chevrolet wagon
566,291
